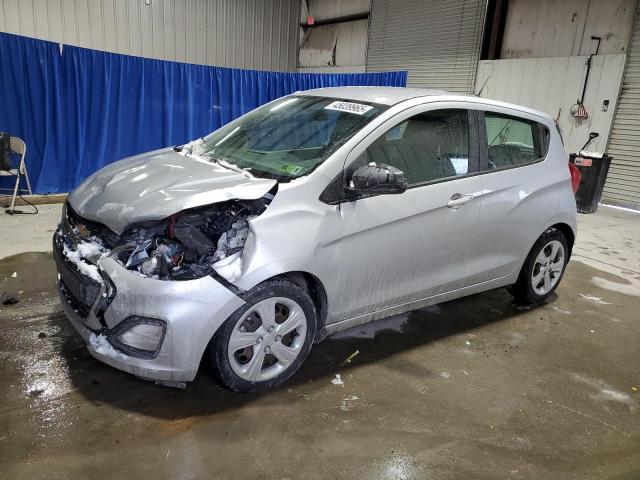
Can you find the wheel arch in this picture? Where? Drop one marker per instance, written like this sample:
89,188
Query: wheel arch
568,233
314,287
564,226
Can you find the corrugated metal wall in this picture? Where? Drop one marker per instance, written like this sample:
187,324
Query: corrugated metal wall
345,69
255,34
623,182
437,41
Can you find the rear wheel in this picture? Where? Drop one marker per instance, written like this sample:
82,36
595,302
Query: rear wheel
543,268
263,343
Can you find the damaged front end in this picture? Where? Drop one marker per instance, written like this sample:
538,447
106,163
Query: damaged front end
192,243
148,300
187,245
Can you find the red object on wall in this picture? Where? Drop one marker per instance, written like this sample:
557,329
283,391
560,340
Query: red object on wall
310,20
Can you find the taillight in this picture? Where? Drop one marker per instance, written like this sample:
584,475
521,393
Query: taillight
575,177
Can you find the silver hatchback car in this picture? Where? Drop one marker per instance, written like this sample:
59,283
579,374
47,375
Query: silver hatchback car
319,211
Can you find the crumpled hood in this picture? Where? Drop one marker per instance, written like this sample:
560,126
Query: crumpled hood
155,185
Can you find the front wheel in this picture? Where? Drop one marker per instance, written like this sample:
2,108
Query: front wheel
543,268
263,343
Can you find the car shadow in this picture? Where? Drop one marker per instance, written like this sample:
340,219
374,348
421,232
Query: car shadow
374,343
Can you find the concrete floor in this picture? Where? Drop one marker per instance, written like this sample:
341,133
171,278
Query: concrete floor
476,388
28,233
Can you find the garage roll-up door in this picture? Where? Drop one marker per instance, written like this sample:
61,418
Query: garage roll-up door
623,182
436,41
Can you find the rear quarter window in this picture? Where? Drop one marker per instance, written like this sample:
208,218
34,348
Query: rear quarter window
513,141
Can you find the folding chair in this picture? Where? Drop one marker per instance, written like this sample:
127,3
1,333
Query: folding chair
18,147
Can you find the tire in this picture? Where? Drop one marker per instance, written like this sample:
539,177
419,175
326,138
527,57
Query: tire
272,353
538,280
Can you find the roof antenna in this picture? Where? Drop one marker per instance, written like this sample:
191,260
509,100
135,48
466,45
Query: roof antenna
484,85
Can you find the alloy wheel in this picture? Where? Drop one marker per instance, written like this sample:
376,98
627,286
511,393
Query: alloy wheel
548,267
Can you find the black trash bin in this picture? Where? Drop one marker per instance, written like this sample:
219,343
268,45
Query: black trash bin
593,173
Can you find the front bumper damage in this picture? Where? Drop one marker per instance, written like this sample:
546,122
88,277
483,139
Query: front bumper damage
191,311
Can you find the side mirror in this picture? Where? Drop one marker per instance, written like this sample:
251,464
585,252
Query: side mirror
377,178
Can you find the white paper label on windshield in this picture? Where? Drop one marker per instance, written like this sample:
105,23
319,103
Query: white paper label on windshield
349,107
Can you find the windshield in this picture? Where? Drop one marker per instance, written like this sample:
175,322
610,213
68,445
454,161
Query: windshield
290,137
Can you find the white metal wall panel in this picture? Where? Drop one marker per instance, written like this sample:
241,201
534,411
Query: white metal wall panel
319,47
436,41
552,28
256,34
553,85
339,45
351,44
322,10
623,182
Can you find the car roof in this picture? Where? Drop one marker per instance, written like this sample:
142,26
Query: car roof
381,95
394,95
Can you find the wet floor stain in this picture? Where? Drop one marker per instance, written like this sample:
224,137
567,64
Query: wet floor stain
475,388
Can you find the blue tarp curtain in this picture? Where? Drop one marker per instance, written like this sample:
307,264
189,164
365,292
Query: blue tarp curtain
82,109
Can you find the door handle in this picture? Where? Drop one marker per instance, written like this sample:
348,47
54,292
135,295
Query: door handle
458,199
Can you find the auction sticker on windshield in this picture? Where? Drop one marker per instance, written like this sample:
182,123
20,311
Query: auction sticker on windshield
290,169
349,107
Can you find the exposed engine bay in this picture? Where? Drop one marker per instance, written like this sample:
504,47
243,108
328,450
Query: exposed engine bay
189,244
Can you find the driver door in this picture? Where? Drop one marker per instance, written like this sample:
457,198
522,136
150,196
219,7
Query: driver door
395,249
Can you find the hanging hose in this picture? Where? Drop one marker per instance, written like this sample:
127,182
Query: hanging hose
578,110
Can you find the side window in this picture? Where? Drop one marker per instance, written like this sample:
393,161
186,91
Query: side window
514,141
426,147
